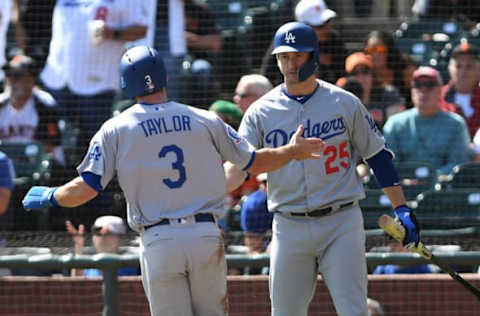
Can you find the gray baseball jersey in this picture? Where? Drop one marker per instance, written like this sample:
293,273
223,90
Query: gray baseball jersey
333,245
168,158
331,114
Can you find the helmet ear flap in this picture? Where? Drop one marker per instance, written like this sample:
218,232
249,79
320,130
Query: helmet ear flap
308,68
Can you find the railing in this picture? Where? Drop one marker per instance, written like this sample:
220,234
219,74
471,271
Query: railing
109,263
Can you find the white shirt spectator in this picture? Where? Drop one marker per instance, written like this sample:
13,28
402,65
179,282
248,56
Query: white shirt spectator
74,59
5,15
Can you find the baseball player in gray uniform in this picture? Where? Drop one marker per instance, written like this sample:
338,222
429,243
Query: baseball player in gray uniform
318,225
168,158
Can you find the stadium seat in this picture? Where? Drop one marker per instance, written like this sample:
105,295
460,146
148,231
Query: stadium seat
229,14
465,176
448,209
375,204
419,50
30,160
418,29
416,177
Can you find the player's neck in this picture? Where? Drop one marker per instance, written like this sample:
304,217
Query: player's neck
154,98
302,87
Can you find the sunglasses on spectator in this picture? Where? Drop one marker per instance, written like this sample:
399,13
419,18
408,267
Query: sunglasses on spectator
379,49
361,71
16,74
243,95
430,84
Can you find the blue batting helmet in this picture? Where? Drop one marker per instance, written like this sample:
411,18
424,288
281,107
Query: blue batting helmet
298,37
142,71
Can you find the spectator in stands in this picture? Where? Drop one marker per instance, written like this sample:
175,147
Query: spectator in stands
375,308
250,88
28,113
476,145
171,42
228,112
203,43
398,269
6,10
256,221
389,65
81,71
33,27
467,12
202,31
462,94
332,48
410,67
425,132
382,101
7,175
107,234
352,85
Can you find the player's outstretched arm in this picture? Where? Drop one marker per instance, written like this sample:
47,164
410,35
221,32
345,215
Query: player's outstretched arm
72,194
234,176
299,148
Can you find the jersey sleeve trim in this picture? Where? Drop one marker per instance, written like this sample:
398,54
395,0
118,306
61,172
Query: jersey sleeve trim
250,162
92,180
392,154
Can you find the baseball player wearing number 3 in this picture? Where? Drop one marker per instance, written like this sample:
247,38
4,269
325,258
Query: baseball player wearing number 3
168,158
318,226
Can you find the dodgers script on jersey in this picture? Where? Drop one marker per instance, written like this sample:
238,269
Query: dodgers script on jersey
331,114
155,151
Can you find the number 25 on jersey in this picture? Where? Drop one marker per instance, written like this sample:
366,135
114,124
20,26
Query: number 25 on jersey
337,157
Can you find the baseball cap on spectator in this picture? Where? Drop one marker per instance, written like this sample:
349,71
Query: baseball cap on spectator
229,111
357,59
313,12
466,48
21,64
105,225
427,72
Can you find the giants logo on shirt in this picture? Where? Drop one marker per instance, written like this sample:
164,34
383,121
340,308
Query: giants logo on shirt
323,130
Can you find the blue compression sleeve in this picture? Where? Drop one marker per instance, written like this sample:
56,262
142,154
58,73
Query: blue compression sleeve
92,180
383,168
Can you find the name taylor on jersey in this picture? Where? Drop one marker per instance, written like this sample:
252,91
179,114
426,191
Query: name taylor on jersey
165,125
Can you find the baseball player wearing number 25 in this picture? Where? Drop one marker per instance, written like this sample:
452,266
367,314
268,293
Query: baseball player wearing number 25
168,158
318,225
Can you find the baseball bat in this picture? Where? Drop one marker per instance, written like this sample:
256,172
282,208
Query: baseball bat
397,231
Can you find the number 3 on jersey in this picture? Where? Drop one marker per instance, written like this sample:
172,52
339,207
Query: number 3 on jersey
176,165
337,155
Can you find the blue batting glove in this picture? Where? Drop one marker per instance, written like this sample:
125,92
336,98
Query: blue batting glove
39,197
408,220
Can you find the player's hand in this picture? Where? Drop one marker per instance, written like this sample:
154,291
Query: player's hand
407,218
306,148
38,197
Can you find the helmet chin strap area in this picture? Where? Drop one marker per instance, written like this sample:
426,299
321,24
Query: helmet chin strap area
308,68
